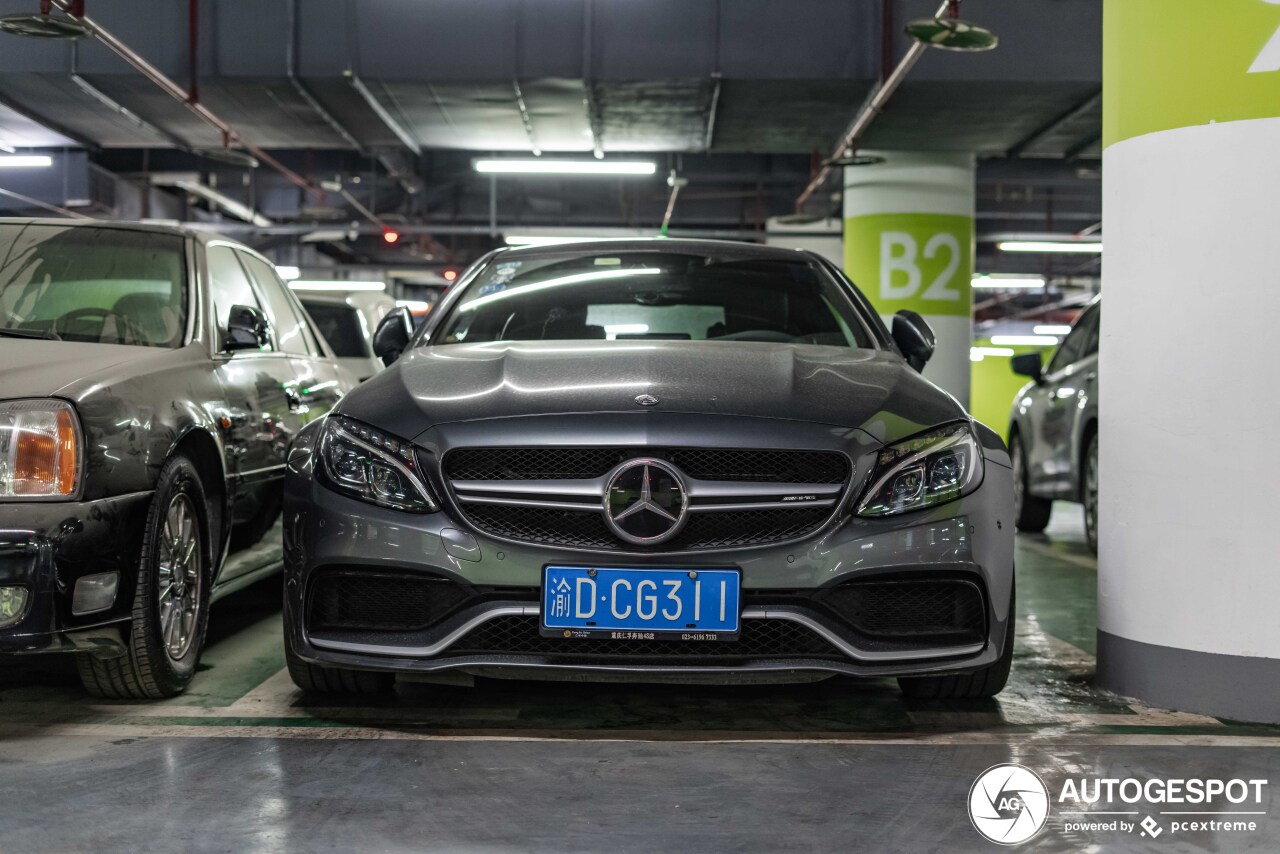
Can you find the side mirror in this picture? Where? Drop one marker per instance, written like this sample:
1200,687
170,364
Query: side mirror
392,335
1028,365
914,338
247,329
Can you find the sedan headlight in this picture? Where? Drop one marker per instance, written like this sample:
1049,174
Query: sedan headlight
373,466
932,468
40,456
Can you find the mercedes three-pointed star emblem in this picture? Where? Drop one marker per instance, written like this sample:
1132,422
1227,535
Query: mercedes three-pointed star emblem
645,501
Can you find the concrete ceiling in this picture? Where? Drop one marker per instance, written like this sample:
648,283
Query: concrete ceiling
741,96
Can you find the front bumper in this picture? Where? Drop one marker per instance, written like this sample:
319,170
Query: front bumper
970,539
46,547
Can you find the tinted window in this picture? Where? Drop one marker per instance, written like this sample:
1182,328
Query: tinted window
101,285
652,295
340,326
1074,346
286,321
228,284
1095,330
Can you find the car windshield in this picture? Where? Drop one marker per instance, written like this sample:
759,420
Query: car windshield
340,326
83,283
655,295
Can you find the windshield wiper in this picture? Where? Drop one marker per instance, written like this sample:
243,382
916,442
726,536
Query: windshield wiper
11,332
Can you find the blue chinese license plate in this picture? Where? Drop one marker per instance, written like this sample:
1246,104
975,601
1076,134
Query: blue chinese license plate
640,604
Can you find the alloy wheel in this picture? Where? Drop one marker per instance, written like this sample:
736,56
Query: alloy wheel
179,576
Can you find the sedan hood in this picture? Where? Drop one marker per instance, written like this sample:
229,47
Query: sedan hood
40,368
874,390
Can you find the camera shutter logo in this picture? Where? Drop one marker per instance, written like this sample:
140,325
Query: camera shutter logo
1008,804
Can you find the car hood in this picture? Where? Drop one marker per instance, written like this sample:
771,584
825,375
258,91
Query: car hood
39,368
874,390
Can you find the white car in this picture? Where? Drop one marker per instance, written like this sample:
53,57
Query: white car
347,322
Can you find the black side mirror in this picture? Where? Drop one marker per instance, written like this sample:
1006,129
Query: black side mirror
914,338
392,335
247,329
1028,365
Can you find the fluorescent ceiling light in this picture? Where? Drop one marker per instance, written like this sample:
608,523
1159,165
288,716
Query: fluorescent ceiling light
567,167
1094,247
25,161
1024,340
414,304
288,272
1009,281
316,285
1051,329
977,354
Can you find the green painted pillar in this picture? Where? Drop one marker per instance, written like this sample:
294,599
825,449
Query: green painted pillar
1188,578
908,243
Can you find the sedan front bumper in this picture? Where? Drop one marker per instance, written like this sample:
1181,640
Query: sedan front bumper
493,626
46,547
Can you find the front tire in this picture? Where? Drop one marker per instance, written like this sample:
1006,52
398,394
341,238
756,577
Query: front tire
978,685
1089,492
171,599
1030,514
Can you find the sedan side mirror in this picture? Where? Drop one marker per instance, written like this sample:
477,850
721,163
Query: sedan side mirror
1028,365
392,335
914,338
247,329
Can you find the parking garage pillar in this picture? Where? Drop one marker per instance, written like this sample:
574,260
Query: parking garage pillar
908,243
1189,559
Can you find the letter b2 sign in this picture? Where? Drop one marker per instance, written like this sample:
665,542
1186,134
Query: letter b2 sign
917,261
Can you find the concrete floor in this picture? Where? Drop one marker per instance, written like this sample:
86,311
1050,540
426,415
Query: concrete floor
240,763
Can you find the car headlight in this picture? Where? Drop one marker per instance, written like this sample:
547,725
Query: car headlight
932,468
40,456
373,466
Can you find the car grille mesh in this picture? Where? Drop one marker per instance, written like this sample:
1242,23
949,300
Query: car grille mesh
758,639
909,608
586,529
381,601
535,522
766,466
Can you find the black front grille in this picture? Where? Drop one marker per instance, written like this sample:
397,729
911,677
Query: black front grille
532,463
761,465
758,639
358,599
586,529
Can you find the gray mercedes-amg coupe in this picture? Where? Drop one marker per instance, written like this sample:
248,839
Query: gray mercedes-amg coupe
651,460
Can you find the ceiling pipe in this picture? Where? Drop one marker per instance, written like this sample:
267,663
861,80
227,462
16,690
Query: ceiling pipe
156,76
873,106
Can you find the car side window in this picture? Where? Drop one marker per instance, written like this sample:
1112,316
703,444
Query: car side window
291,330
228,285
1095,331
1073,347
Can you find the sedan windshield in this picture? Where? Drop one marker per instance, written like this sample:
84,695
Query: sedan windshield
100,285
654,295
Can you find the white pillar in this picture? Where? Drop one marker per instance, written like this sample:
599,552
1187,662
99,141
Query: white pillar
908,243
1189,557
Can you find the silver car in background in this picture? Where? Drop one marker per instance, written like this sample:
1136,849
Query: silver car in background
1053,430
347,321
